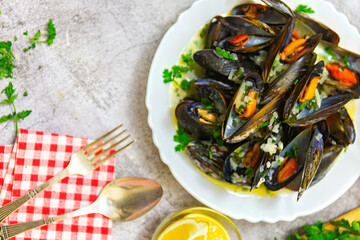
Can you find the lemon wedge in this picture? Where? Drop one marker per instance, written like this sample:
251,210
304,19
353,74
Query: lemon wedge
185,229
216,231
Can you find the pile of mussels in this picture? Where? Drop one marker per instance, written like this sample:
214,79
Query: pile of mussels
279,106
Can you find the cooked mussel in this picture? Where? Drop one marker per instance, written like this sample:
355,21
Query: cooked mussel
216,92
302,154
309,103
243,106
260,12
196,119
341,128
242,166
208,157
343,67
299,47
236,69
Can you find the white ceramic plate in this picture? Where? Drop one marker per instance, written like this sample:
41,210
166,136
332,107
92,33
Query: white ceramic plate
237,205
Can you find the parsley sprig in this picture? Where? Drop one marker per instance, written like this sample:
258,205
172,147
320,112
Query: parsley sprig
304,9
225,53
319,231
15,116
50,38
176,73
182,138
6,60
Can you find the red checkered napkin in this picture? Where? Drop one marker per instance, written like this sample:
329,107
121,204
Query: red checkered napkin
5,153
37,157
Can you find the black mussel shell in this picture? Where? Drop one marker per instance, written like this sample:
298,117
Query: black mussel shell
329,106
303,82
308,146
327,34
216,32
210,60
233,121
189,120
285,82
260,12
208,157
341,128
328,158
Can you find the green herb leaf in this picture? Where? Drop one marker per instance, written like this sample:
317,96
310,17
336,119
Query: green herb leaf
182,138
15,38
52,32
23,114
11,96
249,172
264,124
330,52
187,57
225,53
304,9
296,82
6,60
167,76
185,84
346,62
25,33
25,94
293,152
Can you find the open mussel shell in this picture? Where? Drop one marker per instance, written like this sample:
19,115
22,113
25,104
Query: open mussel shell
208,59
312,27
208,157
329,106
328,158
312,162
216,32
260,12
243,107
298,48
196,120
343,77
215,91
309,147
242,166
303,83
285,82
341,128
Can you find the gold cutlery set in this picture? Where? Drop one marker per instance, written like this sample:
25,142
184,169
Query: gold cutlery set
123,199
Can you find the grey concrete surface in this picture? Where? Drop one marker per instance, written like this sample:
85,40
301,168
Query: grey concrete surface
94,76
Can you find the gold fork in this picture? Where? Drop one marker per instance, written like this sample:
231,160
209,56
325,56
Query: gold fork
82,163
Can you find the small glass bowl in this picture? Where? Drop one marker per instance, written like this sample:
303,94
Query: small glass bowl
224,220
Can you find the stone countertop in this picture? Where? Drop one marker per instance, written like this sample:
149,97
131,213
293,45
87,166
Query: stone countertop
94,76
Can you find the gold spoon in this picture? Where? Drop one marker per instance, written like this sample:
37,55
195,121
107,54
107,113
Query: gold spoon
123,199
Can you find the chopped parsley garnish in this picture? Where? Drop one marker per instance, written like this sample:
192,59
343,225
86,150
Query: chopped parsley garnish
249,172
330,52
15,38
346,62
182,138
207,102
6,60
15,116
319,231
296,82
264,124
304,9
275,64
25,33
187,57
25,94
225,53
293,152
186,84
240,108
210,153
50,38
176,72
